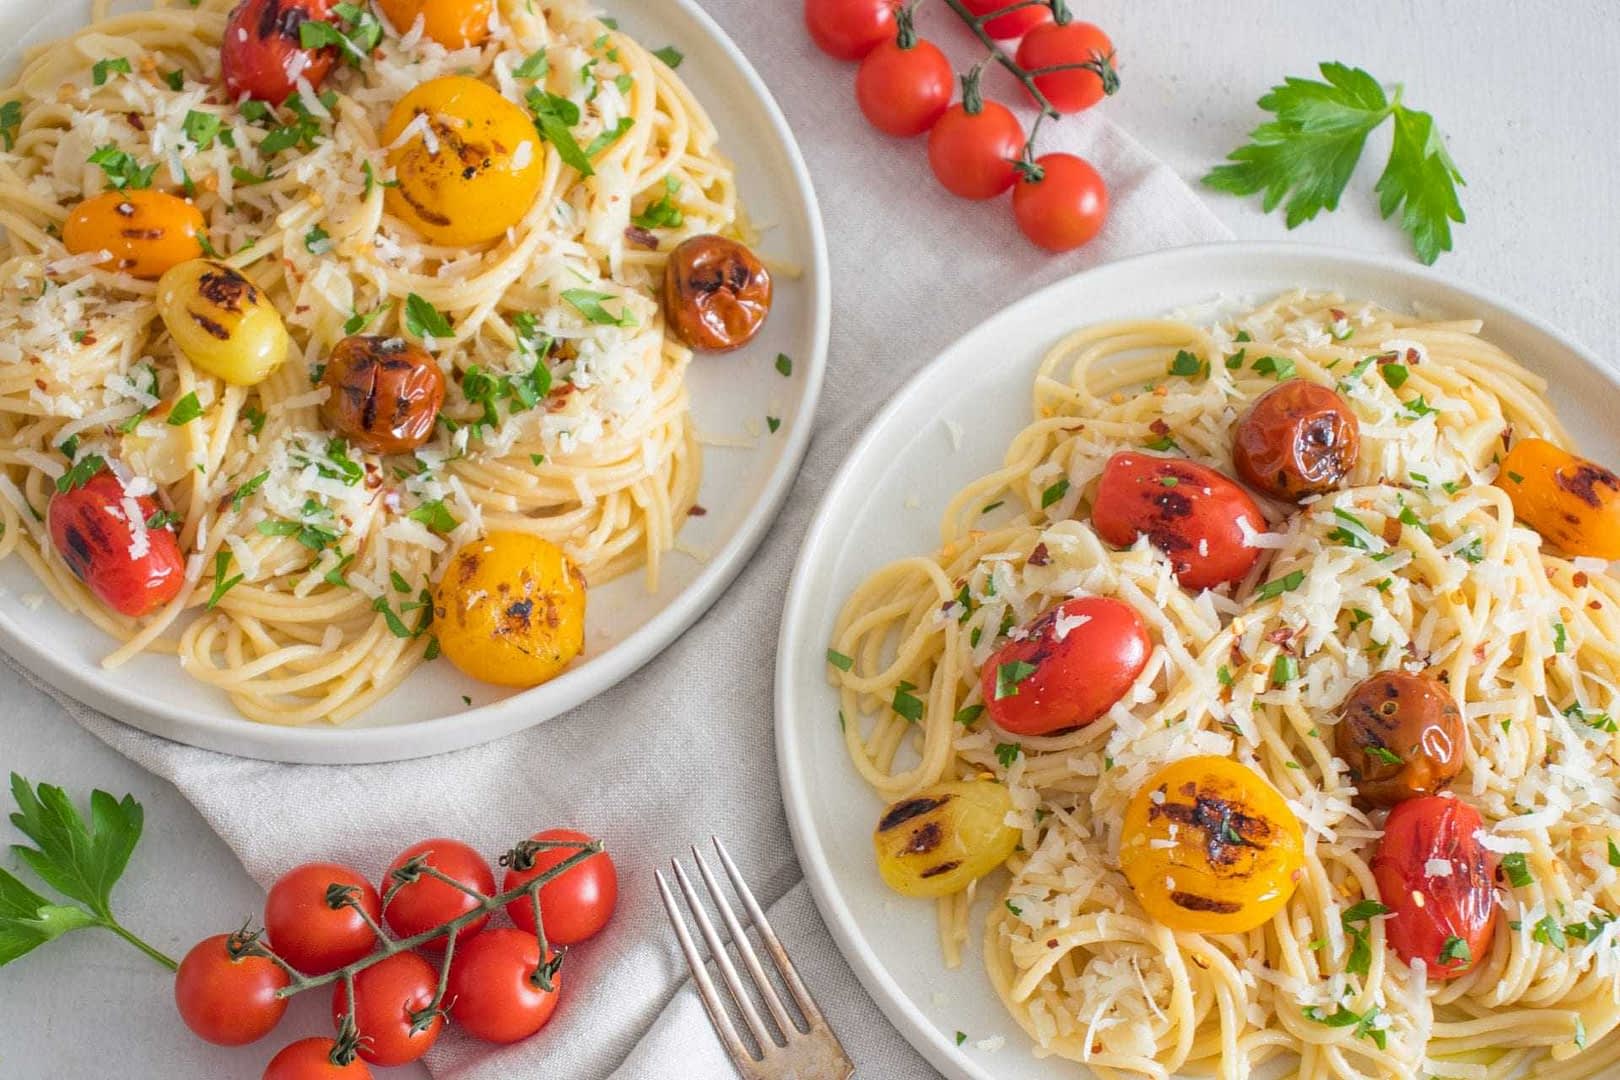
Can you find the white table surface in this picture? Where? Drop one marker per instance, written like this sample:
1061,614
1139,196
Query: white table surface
1525,93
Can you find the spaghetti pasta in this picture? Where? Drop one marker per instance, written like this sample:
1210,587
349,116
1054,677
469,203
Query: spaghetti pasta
1417,563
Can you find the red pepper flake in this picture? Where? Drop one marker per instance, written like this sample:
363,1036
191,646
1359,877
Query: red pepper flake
1338,316
1479,653
1281,636
696,511
1413,357
1507,436
135,121
1580,579
1392,531
1159,427
1039,556
642,238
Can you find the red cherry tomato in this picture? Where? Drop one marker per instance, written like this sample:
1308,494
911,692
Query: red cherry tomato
307,931
386,997
1014,23
228,1000
1077,660
494,987
91,529
972,153
260,54
1055,44
849,29
428,902
903,89
311,1059
576,905
1445,921
1063,204
1187,510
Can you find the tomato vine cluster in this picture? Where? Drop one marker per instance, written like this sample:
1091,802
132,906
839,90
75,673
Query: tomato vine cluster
326,925
977,148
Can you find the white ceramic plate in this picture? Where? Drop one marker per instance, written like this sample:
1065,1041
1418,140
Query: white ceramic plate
742,488
982,382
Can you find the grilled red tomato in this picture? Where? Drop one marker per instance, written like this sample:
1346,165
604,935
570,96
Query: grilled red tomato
1444,919
1187,510
1075,661
261,55
91,528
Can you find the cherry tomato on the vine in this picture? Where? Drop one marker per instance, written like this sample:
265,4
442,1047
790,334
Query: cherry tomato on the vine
576,905
311,1059
228,1000
1446,919
1062,204
1073,663
1057,44
388,996
307,931
261,53
904,84
973,146
849,29
1014,23
495,989
427,902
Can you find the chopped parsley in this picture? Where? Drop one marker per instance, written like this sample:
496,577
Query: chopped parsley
176,79
245,492
906,703
839,660
1186,363
589,304
122,170
1386,755
255,417
185,410
1548,932
535,66
335,576
1395,375
608,136
663,214
1343,1017
1052,494
773,422
222,584
1286,583
356,33
423,320
967,715
1009,675
435,515
1560,637
1418,407
202,128
1455,950
80,474
1517,869
1278,367
1284,670
784,365
162,519
1614,853
317,241
1007,753
10,122
1355,920
1224,674
554,119
101,69
672,57
1600,720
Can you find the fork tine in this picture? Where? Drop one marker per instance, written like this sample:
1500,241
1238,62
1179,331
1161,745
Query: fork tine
705,987
773,945
728,972
744,947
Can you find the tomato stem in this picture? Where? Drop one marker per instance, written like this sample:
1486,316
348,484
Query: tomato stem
976,24
972,95
905,36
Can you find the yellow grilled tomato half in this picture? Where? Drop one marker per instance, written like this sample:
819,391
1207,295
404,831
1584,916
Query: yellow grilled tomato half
510,609
469,169
1570,501
145,231
222,321
939,840
1211,847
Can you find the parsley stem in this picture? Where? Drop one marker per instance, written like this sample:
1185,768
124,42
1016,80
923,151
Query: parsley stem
116,927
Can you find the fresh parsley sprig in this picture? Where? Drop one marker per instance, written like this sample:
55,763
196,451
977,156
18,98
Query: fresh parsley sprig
1308,152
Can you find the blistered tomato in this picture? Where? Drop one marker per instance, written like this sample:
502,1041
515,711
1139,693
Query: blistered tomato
261,53
1186,510
510,609
132,567
1570,501
1073,663
1402,736
1435,877
386,393
937,841
222,321
716,293
146,231
1297,439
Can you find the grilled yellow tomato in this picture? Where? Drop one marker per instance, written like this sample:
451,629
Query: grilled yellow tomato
937,841
145,231
510,609
1210,847
454,24
1572,502
469,169
221,321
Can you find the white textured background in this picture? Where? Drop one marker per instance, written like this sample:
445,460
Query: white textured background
1525,92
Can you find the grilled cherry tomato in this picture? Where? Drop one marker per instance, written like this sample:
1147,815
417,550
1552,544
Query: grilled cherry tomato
1402,736
1229,851
386,393
92,529
427,902
904,84
849,29
146,231
938,841
716,293
1445,920
225,999
389,999
495,986
472,167
308,930
1054,44
1570,501
1061,204
221,321
1297,439
1187,510
455,24
1075,662
510,609
1014,23
260,54
576,905
311,1059
973,146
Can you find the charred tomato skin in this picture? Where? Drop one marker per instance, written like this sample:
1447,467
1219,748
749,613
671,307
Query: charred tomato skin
385,393
1297,439
89,530
1427,911
716,293
1402,735
1077,676
1186,510
261,55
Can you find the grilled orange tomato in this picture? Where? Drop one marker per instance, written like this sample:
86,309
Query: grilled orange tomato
1571,502
145,231
455,24
510,609
1211,847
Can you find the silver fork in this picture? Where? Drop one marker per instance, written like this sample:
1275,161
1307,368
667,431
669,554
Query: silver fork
812,1052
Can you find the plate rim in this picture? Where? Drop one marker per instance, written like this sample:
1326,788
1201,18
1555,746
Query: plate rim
331,745
906,1015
